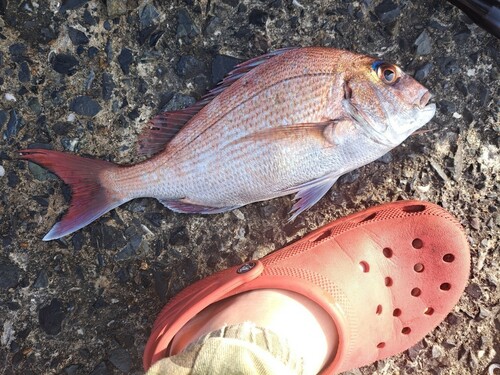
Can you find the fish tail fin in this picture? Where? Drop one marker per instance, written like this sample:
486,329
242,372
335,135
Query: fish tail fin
89,198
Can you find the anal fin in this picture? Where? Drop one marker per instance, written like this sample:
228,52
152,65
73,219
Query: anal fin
186,207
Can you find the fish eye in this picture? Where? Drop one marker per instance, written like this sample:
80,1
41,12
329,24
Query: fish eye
387,73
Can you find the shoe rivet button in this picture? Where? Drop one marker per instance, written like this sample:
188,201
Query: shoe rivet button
246,267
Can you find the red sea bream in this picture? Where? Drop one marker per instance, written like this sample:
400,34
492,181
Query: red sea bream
291,121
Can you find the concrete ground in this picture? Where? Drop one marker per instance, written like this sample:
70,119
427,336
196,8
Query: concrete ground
85,77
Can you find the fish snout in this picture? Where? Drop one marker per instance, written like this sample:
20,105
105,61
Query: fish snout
422,100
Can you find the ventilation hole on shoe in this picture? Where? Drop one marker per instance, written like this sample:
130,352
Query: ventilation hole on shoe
388,281
406,331
415,292
365,267
448,258
414,208
419,267
417,243
396,312
322,236
381,345
429,311
445,286
387,252
369,217
379,310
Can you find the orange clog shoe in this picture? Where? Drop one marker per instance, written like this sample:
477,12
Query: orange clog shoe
387,276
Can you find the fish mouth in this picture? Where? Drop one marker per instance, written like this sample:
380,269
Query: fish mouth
429,108
425,111
425,114
424,100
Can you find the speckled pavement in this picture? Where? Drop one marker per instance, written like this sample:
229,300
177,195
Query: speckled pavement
85,76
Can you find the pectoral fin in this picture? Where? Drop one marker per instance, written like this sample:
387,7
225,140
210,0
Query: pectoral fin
327,130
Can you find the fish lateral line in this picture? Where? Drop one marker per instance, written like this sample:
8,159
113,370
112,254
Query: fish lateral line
242,103
162,128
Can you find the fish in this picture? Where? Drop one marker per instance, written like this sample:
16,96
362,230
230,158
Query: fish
289,122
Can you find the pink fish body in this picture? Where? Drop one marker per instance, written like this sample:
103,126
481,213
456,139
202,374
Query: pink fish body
292,121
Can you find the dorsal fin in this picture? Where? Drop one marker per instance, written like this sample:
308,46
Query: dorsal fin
164,127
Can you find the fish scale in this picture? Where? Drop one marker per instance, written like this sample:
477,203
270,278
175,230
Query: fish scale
292,121
259,117
275,71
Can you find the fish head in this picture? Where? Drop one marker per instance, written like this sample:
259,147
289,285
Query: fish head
387,103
